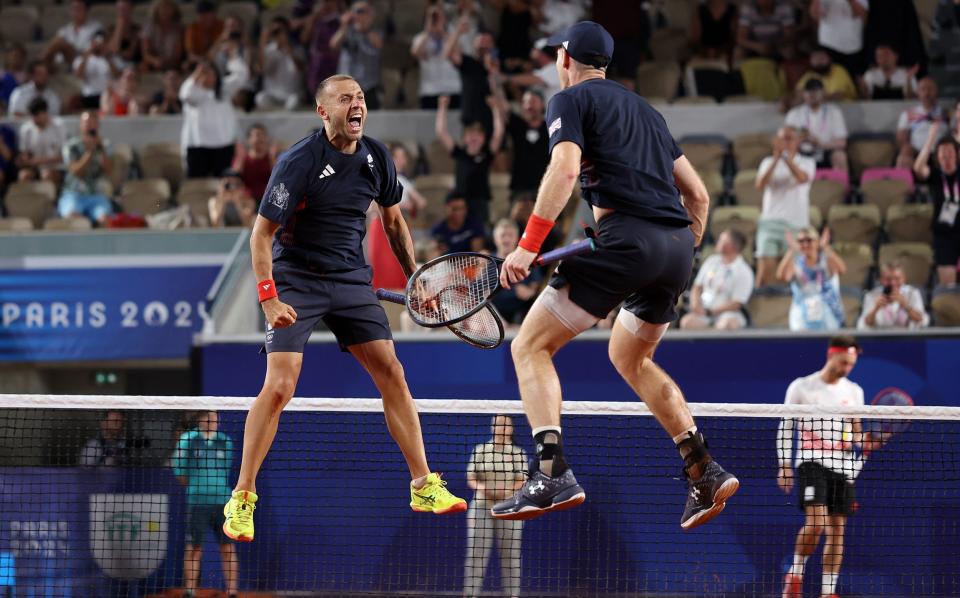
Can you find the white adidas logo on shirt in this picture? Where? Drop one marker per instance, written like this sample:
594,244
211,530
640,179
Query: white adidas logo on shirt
327,171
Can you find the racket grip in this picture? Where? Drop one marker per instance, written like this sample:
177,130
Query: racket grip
391,296
580,247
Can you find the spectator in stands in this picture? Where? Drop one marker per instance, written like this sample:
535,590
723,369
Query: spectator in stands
97,69
713,29
472,159
629,25
121,98
765,27
411,200
813,270
254,160
722,287
281,65
886,80
232,205
13,73
360,47
123,36
837,83
8,155
87,160
109,447
946,29
465,23
457,232
895,23
438,77
840,30
203,33
513,303
955,131
913,127
822,128
785,180
322,24
162,39
521,207
209,122
167,100
527,132
474,75
73,38
37,87
517,18
41,140
558,15
233,57
893,304
544,76
944,183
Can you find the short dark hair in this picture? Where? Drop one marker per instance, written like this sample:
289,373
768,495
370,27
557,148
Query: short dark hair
454,195
948,140
738,238
37,106
256,126
845,342
32,66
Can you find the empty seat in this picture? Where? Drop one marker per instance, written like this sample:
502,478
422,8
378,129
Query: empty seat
744,188
885,187
18,23
945,306
245,11
66,86
15,224
858,257
740,218
713,181
704,153
826,193
852,299
659,79
906,223
833,174
669,45
162,161
434,188
67,224
858,224
916,259
769,307
870,151
145,196
750,149
34,200
121,155
43,188
816,217
196,194
439,158
54,17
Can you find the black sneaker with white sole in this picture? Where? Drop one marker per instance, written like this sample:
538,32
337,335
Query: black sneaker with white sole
707,496
541,494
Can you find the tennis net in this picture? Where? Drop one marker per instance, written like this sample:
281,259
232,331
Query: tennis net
91,504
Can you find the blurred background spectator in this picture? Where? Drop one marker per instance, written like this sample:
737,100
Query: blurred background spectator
202,33
253,160
513,303
915,123
629,25
944,183
121,98
474,75
895,23
457,232
894,303
822,128
316,35
232,205
281,65
411,201
886,80
86,158
527,132
837,83
840,31
162,39
13,73
360,45
73,38
813,270
96,67
167,99
41,141
37,86
722,287
558,15
517,19
8,155
713,29
765,28
541,75
109,447
123,36
438,77
209,122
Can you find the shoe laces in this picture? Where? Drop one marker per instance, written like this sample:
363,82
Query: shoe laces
244,512
440,486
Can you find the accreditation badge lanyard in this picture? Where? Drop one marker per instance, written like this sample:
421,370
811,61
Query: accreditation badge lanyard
951,201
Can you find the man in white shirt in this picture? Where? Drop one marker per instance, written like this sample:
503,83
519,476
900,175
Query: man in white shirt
37,87
887,81
282,68
97,68
894,304
827,462
785,180
823,130
840,30
914,123
73,38
41,141
544,76
722,287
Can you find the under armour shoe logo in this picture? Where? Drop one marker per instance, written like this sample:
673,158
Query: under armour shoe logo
538,487
327,171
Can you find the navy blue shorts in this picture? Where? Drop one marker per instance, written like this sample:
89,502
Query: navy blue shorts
644,264
200,518
350,310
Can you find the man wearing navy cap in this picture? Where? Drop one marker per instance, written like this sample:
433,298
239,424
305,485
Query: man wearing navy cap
630,170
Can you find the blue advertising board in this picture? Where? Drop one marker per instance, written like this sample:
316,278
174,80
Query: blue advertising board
122,308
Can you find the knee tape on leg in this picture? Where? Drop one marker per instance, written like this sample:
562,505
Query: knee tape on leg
572,316
645,331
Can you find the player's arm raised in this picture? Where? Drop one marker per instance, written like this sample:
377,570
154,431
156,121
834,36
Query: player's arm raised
696,200
399,236
279,314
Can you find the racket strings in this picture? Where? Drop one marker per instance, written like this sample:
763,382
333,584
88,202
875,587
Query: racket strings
481,329
452,288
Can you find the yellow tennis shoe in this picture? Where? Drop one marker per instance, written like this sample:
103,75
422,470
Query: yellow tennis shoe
434,497
238,514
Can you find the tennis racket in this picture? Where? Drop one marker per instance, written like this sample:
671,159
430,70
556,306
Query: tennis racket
483,329
455,286
881,431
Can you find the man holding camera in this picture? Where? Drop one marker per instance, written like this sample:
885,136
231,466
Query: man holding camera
894,304
360,45
87,160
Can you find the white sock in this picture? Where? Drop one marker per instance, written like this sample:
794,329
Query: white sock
684,435
829,583
799,562
419,482
546,429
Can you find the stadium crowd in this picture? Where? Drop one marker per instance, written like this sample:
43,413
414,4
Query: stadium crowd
844,227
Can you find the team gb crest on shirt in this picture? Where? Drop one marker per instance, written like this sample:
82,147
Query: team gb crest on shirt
279,196
370,162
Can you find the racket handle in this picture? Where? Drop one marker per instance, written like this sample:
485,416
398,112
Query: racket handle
391,296
580,247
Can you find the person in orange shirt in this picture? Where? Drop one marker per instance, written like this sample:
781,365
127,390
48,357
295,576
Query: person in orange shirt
202,33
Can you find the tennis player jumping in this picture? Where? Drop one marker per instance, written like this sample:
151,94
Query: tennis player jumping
630,169
307,255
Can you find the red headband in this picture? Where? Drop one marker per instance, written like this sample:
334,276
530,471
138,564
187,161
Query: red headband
842,351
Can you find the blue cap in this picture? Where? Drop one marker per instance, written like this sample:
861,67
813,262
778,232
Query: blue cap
586,42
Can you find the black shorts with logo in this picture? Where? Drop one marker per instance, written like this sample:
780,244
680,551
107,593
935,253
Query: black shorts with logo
821,486
350,310
645,264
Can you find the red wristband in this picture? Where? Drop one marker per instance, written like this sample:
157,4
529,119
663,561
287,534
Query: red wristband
535,233
266,289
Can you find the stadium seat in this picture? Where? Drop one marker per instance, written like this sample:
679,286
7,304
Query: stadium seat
745,190
34,207
751,148
658,79
761,78
121,155
833,174
149,84
858,224
433,187
945,306
439,158
66,86
858,258
245,11
705,152
67,224
870,151
826,193
706,77
852,299
18,23
500,200
45,189
713,181
55,16
769,307
669,45
677,13
15,224
885,187
906,223
106,14
740,218
163,161
916,259
391,79
816,217
196,194
145,196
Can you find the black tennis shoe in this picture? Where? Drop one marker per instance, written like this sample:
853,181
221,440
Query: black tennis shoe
541,494
707,496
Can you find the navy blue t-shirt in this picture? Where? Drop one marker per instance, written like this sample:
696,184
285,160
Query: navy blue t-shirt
320,198
628,152
458,240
